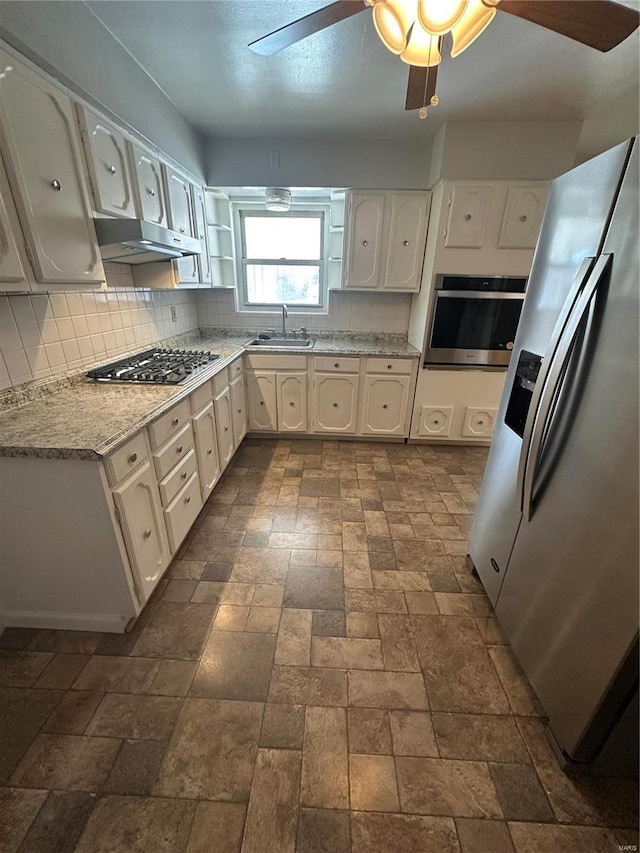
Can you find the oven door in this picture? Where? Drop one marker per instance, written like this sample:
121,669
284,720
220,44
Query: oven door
477,329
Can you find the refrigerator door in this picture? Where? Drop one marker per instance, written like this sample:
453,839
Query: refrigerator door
569,601
579,207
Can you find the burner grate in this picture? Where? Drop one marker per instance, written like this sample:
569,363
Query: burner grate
155,367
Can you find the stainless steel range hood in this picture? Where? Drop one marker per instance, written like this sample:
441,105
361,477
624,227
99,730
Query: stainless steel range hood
133,241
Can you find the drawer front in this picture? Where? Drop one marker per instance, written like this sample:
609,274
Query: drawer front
201,396
336,364
126,459
260,361
220,382
173,452
389,365
235,369
169,424
183,511
175,479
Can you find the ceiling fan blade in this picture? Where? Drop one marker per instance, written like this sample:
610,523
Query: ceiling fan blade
421,87
597,23
307,26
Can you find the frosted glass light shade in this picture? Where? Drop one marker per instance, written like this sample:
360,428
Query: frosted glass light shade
393,20
439,16
475,20
422,49
276,198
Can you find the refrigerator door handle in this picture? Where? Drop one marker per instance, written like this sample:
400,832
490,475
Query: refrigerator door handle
547,361
555,376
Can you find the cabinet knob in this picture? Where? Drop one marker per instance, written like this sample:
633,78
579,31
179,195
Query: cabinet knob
384,406
226,429
151,191
175,421
187,500
523,218
147,533
239,411
335,405
365,243
133,458
179,449
182,230
210,451
56,185
389,367
184,474
468,217
405,242
262,402
292,403
337,364
113,169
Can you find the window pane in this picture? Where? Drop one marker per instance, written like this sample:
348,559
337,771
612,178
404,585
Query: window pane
275,284
296,238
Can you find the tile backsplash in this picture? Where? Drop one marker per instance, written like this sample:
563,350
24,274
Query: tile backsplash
47,334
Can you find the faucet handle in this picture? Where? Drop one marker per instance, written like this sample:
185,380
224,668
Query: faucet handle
303,332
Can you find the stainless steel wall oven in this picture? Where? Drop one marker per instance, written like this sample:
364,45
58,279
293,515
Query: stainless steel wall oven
474,320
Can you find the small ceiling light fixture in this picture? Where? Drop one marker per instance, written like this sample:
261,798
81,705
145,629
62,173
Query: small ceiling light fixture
278,199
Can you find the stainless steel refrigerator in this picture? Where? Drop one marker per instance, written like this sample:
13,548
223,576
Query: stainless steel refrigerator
555,534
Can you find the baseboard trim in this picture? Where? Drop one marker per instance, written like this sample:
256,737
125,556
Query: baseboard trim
109,623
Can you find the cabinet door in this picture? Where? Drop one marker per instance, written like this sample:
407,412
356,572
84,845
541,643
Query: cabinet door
204,431
261,393
222,408
13,274
238,409
468,212
143,528
335,402
385,405
363,240
407,236
178,201
147,185
292,402
187,270
106,154
43,160
522,217
200,232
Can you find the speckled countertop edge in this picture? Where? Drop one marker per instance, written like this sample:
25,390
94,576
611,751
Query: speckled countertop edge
27,412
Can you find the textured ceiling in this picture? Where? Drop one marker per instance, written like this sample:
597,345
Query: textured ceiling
343,82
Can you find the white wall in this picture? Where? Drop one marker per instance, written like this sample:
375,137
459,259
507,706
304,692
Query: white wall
364,163
44,335
509,150
68,41
604,131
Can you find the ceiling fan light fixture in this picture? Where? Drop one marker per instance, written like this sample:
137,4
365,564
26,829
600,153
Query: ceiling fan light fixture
422,49
477,17
393,19
277,199
439,16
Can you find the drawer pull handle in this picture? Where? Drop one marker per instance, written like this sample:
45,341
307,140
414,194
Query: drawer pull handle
133,458
185,474
175,421
210,451
405,242
365,243
179,449
468,217
523,218
384,406
337,364
389,367
335,405
112,169
56,185
147,533
187,500
151,191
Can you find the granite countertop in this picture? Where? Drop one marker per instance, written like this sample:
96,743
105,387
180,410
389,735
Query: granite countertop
76,418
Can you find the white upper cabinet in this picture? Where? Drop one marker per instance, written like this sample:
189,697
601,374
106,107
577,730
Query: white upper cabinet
108,164
407,236
44,164
200,232
522,217
178,194
147,186
385,235
13,274
468,213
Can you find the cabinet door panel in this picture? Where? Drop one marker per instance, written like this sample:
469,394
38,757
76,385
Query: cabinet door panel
522,217
12,272
469,208
143,528
385,405
187,270
222,408
204,430
147,184
108,164
44,164
407,237
238,409
183,511
178,201
292,402
335,403
261,391
364,240
200,232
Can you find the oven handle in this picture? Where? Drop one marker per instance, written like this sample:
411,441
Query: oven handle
475,294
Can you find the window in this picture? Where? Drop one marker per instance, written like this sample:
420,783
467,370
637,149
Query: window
282,257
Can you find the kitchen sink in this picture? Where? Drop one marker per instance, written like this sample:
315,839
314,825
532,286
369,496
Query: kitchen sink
282,342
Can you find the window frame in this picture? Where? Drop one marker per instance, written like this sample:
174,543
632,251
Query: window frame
248,209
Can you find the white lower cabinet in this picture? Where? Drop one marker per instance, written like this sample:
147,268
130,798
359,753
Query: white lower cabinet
204,431
143,528
335,403
261,393
292,402
224,421
238,409
183,511
384,405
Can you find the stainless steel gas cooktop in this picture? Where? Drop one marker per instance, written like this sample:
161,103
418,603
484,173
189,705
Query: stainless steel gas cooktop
155,366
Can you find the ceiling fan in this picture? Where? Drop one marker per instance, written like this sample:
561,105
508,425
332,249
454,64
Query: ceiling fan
415,30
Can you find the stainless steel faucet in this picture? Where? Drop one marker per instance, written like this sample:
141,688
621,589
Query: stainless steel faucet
285,314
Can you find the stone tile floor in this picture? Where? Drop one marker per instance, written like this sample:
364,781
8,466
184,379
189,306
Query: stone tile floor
317,673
